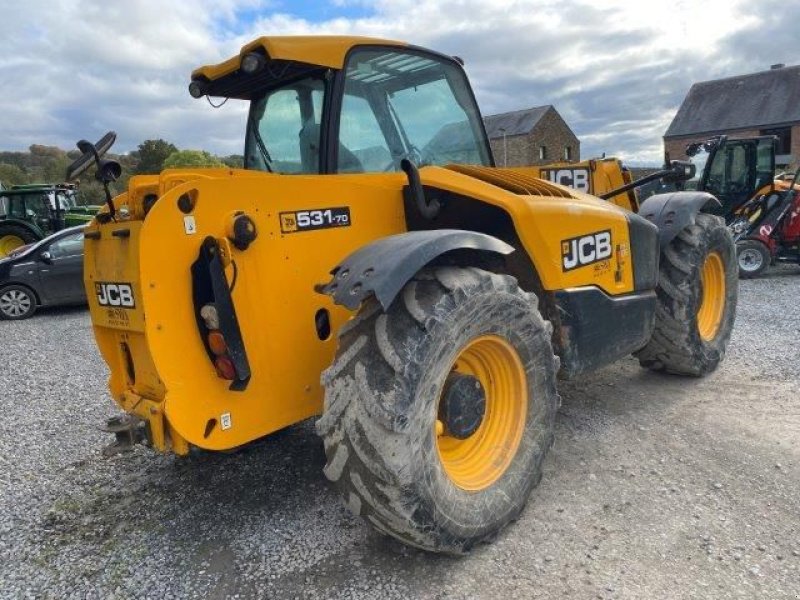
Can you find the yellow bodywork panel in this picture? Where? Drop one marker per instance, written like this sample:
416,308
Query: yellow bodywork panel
160,369
325,51
594,176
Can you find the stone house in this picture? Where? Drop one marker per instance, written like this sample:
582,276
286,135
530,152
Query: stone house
763,103
533,136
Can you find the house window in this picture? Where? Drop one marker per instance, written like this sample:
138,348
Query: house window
567,152
784,135
542,152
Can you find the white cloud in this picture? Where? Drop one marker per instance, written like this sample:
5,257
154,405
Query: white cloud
615,69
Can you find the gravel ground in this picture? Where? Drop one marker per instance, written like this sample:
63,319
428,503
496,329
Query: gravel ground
657,487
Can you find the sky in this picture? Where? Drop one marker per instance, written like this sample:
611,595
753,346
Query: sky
616,70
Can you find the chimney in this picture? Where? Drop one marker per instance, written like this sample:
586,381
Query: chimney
777,66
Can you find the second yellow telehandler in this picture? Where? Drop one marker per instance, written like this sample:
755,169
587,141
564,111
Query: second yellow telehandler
371,268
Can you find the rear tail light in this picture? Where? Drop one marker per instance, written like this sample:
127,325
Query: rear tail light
217,343
225,368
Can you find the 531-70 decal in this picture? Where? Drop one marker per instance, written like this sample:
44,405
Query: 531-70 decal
308,220
585,249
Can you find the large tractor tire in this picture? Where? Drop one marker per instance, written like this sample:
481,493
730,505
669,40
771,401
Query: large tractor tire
753,258
697,293
12,236
439,411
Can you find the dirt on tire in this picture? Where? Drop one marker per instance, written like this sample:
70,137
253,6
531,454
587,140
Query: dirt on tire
380,406
676,345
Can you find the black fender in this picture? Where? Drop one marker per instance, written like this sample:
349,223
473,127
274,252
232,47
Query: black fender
673,211
384,266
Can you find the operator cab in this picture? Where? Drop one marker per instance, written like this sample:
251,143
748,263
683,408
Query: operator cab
733,170
387,102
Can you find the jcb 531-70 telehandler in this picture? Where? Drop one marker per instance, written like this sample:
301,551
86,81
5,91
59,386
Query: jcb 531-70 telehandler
421,309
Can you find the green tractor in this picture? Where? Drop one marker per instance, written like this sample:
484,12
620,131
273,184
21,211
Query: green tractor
29,213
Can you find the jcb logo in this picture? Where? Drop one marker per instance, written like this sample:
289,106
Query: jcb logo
577,179
114,294
585,250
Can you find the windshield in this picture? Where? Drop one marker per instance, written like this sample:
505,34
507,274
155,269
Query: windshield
284,128
700,159
399,104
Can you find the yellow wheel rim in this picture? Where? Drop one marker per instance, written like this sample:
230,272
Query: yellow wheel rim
476,462
712,281
9,243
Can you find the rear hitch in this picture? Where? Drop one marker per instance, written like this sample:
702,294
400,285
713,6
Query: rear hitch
128,430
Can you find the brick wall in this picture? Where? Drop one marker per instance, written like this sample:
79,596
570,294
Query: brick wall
523,150
517,149
552,132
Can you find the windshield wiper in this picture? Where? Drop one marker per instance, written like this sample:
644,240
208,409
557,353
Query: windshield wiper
262,147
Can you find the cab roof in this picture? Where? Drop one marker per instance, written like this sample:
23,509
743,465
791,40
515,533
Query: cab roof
319,50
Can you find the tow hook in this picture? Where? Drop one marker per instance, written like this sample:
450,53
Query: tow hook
129,430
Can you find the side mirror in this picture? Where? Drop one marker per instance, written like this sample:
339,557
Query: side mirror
46,257
681,171
89,154
107,170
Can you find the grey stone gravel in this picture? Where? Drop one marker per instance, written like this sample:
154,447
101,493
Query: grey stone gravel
657,487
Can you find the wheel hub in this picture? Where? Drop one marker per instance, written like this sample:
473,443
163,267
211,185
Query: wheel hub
463,405
14,303
749,260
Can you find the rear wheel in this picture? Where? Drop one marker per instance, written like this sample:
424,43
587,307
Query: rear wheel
13,236
697,293
439,412
16,302
753,258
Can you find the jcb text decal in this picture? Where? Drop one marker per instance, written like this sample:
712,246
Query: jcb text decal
114,294
577,179
585,250
307,220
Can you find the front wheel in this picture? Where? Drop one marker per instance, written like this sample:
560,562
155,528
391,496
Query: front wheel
439,411
16,302
697,294
753,258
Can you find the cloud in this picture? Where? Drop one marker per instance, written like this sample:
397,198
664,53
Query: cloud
616,70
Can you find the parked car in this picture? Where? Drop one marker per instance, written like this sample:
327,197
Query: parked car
46,273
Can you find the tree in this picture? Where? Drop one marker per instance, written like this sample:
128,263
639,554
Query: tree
152,154
191,159
12,175
55,168
234,160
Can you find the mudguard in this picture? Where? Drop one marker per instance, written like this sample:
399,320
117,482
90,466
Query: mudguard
384,266
674,211
34,229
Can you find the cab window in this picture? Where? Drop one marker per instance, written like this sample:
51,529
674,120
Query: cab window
284,131
401,104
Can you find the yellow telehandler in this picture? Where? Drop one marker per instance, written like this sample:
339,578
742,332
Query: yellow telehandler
370,267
